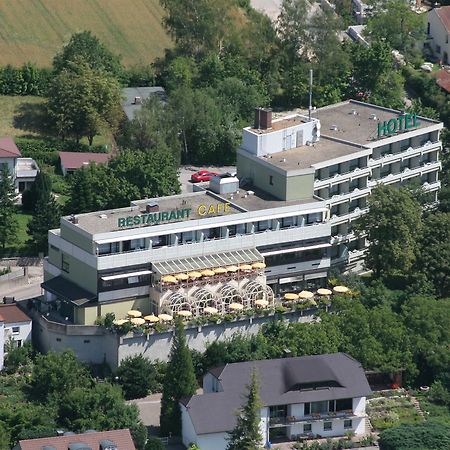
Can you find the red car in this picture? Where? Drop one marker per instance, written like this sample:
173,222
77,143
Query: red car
202,175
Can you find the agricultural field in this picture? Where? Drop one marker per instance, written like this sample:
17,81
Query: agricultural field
34,30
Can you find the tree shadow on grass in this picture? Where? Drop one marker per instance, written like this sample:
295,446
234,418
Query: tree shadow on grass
33,117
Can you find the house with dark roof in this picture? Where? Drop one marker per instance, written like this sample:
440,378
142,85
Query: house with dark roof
303,397
22,170
439,33
72,161
15,326
91,440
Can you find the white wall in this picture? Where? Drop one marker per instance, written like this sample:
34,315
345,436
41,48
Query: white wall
359,405
2,344
188,433
11,165
24,333
439,34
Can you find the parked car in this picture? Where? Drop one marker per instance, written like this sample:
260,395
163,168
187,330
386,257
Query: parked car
202,175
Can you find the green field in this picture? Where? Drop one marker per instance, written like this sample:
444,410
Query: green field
34,30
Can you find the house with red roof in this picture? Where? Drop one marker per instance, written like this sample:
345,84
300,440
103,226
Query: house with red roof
15,326
439,33
72,161
91,440
23,170
442,77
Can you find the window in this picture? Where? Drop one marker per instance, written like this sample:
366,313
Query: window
271,180
348,424
137,244
64,263
344,404
236,230
187,237
105,249
19,343
86,341
438,49
327,426
15,330
263,225
278,411
159,241
313,218
307,428
287,222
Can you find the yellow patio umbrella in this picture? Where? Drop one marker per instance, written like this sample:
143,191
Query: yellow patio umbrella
137,321
120,321
169,279
207,273
134,313
290,296
151,318
232,268
184,313
220,270
165,317
340,289
258,265
181,276
323,291
306,295
236,306
245,267
194,274
210,310
262,303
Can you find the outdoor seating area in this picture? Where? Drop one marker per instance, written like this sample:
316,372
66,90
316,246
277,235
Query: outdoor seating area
322,295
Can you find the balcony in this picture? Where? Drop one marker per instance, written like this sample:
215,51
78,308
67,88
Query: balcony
356,193
408,153
409,173
275,422
340,177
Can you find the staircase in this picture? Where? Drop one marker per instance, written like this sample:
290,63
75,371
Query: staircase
416,405
368,429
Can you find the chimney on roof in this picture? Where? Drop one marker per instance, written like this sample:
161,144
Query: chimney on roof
263,118
151,207
137,101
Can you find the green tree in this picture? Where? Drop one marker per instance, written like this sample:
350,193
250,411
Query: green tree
55,374
154,443
8,222
392,232
401,27
179,382
86,47
81,192
136,376
45,217
42,186
246,435
83,101
18,357
434,253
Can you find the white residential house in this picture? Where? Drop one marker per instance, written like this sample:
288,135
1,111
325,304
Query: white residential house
439,33
15,325
304,397
23,170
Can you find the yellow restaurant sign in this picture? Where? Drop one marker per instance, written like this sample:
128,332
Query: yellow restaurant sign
213,209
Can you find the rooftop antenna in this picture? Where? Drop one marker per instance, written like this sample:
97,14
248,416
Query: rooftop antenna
310,92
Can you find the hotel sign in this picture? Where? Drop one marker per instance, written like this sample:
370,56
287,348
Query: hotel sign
155,218
401,123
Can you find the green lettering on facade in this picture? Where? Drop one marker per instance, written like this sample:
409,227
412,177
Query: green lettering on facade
172,215
392,126
129,221
121,222
137,220
153,218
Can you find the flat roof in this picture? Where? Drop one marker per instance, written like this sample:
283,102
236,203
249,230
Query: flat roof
181,208
306,156
355,123
281,123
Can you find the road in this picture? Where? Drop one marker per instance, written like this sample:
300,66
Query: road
24,291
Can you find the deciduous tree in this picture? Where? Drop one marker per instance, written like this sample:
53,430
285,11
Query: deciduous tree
136,376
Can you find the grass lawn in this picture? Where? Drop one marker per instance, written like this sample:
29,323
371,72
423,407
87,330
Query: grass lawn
19,247
35,31
432,411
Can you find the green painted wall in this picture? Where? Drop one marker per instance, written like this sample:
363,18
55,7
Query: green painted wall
76,238
300,187
80,273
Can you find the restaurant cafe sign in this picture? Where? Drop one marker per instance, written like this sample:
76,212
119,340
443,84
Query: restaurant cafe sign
155,218
401,123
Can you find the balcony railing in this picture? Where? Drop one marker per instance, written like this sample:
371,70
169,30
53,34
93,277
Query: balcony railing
291,420
357,172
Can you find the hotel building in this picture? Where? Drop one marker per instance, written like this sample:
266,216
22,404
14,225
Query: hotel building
278,226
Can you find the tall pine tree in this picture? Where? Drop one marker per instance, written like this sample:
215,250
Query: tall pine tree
247,435
179,382
41,186
8,222
81,192
45,217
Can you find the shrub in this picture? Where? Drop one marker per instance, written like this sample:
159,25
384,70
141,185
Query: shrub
153,443
136,376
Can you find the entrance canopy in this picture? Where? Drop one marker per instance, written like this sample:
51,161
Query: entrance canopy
66,290
208,261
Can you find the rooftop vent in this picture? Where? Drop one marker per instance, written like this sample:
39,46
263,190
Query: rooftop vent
354,112
103,216
251,192
152,207
333,127
373,116
137,101
73,218
106,444
283,160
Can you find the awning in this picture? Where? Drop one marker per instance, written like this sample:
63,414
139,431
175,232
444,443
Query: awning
208,261
126,275
69,291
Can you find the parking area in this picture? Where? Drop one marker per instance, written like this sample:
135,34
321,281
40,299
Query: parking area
185,172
